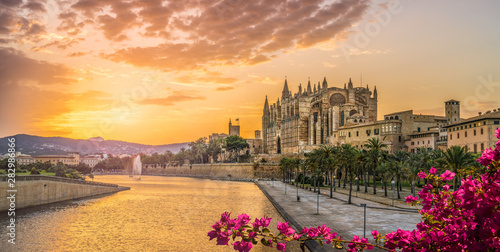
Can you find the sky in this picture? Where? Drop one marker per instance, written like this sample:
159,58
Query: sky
159,72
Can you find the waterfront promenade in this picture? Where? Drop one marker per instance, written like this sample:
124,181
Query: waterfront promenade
345,219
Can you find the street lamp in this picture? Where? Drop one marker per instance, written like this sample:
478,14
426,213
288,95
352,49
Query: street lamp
364,221
392,182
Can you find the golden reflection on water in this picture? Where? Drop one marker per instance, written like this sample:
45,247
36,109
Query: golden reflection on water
157,214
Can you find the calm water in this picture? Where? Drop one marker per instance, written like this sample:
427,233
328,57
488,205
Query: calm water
157,214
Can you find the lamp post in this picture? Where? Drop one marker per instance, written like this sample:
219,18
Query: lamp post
392,183
317,203
364,221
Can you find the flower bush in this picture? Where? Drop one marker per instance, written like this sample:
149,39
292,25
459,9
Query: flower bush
467,219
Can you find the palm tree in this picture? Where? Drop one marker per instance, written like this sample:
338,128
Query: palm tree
456,159
385,172
347,159
412,168
375,153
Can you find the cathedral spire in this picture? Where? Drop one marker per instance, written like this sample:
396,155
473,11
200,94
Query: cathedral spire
285,92
266,105
350,84
314,88
375,93
325,84
300,88
309,91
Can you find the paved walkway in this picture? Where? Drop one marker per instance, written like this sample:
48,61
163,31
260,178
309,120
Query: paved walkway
345,219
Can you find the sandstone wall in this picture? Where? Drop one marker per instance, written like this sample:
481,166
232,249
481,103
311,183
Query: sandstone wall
236,171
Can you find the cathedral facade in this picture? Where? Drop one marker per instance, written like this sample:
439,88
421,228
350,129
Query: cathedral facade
302,121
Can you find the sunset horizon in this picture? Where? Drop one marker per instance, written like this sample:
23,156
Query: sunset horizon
165,72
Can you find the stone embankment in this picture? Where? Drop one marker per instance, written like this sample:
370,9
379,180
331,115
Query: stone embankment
35,190
236,171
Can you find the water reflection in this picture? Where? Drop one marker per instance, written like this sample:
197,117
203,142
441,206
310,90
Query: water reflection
157,214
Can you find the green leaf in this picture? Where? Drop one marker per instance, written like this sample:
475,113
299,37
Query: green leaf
264,242
266,230
320,243
254,241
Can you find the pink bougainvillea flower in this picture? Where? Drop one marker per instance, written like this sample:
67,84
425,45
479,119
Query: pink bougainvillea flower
242,246
422,174
433,171
375,234
447,175
409,199
281,246
285,229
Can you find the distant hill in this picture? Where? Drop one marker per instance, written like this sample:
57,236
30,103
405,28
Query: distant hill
36,145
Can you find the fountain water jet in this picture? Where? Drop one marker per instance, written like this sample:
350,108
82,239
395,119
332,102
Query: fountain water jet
136,166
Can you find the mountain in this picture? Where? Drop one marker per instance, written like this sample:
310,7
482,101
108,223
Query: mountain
36,145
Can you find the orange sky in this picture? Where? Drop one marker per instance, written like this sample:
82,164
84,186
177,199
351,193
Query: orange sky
158,72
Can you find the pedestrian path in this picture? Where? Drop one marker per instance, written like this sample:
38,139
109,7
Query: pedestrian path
345,219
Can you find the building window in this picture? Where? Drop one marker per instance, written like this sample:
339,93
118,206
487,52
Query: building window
349,134
482,131
357,133
482,147
418,129
451,136
400,139
496,122
412,143
458,135
428,141
465,133
376,131
474,132
475,148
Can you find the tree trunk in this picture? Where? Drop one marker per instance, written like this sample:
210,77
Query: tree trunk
366,182
350,193
385,188
398,187
413,187
331,184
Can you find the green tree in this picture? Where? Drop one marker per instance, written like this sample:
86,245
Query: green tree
60,169
214,148
457,159
234,144
199,148
376,154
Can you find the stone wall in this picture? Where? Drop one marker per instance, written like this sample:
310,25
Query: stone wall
234,171
39,190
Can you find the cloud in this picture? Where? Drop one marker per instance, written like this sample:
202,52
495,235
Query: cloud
22,22
224,88
206,77
195,34
170,100
78,54
17,67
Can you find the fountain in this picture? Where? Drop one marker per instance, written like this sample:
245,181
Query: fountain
136,166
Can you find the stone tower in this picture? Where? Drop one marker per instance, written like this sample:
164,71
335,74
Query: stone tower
265,122
234,130
452,111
